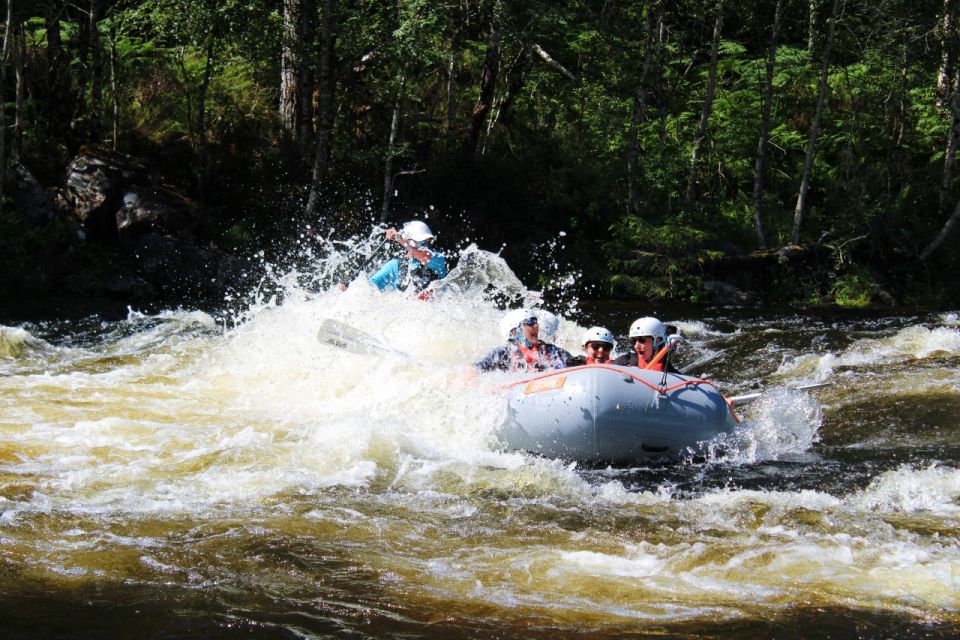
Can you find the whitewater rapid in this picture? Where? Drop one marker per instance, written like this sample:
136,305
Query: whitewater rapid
238,454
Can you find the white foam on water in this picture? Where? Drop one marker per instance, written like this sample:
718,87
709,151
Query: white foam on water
178,418
933,489
906,345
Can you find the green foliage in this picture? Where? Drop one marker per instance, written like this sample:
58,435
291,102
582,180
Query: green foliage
554,146
853,289
657,261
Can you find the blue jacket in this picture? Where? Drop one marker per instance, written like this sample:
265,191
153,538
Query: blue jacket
388,276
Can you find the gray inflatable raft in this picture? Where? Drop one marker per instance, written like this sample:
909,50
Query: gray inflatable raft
610,414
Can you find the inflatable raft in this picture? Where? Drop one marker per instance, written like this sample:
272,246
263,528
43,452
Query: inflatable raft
603,414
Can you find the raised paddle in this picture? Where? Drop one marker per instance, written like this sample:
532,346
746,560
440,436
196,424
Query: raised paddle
750,397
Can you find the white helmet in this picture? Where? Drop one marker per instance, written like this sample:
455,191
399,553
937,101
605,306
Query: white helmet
549,324
598,334
648,326
416,230
509,326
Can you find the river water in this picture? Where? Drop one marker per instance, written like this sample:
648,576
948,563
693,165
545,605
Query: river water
184,474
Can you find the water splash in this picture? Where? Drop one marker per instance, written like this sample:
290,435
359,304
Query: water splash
782,423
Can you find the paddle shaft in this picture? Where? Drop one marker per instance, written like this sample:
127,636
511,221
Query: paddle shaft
750,397
373,255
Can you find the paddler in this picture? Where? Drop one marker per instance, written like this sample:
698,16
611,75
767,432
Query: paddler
424,264
598,345
648,336
524,351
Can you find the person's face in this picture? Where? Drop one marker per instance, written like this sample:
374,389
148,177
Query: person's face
643,346
531,330
598,351
418,252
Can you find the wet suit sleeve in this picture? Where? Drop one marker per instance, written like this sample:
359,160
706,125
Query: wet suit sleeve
438,264
387,276
623,361
557,357
498,359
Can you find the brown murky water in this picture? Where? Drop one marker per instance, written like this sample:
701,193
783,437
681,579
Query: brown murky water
177,476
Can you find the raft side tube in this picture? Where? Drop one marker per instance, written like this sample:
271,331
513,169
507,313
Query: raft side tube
605,413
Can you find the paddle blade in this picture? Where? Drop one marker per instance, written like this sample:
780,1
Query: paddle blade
342,336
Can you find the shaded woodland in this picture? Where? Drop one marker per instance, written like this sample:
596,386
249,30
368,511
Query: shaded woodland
804,149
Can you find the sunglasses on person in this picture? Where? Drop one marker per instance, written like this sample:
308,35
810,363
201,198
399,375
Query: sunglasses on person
642,339
597,346
529,322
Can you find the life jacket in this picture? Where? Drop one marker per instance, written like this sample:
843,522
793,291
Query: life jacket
634,360
415,278
527,357
524,358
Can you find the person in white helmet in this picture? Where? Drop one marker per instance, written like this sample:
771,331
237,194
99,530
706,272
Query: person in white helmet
598,345
647,337
524,351
424,263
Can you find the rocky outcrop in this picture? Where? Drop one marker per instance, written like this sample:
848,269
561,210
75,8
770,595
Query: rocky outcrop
114,231
160,209
96,182
725,294
31,203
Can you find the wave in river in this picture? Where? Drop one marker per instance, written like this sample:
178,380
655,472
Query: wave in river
240,466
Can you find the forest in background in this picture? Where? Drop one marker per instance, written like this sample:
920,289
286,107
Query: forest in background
652,144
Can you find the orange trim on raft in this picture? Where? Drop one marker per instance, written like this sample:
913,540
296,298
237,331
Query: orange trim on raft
684,383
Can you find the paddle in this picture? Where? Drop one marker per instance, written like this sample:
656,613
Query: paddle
342,336
750,397
366,263
702,361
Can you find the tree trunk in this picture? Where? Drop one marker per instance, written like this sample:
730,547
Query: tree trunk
56,107
325,113
707,105
948,48
4,57
83,78
289,67
388,162
517,77
488,80
813,25
947,228
761,164
19,55
296,111
953,138
639,114
114,92
903,111
201,139
96,72
453,66
801,208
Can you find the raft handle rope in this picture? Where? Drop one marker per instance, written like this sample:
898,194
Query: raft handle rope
629,376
